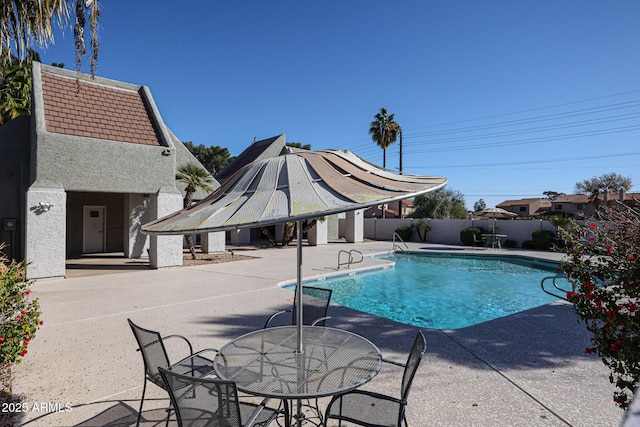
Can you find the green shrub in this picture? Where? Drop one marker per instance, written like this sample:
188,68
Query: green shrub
19,315
404,233
543,239
466,235
528,244
509,243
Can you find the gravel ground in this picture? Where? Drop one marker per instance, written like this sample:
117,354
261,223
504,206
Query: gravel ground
214,258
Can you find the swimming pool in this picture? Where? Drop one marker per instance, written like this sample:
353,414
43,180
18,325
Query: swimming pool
444,291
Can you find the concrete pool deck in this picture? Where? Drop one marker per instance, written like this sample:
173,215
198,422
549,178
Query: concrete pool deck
527,369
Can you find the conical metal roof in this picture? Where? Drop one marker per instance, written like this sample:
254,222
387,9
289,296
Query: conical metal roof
293,187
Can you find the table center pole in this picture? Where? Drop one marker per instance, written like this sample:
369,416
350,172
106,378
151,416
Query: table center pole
299,314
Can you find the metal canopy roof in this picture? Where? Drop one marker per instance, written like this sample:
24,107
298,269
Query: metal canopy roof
294,187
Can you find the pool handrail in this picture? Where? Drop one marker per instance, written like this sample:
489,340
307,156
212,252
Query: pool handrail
350,258
397,246
555,285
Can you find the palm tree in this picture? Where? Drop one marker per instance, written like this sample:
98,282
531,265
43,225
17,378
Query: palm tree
25,23
196,178
384,131
15,89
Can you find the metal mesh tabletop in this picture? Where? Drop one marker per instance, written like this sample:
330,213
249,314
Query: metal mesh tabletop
265,363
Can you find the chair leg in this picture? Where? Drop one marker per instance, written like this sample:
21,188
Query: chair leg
144,390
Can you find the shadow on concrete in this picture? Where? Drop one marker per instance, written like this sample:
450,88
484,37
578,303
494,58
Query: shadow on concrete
120,414
546,337
103,263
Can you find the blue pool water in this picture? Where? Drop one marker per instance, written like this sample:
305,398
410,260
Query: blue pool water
444,291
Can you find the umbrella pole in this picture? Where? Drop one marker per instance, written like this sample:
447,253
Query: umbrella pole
299,314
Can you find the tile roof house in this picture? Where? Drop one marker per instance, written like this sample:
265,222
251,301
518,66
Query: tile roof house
397,209
580,205
92,163
575,205
526,207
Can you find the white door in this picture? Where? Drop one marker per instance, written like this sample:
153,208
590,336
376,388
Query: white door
93,229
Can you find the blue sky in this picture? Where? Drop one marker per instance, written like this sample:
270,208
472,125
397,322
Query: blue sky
507,99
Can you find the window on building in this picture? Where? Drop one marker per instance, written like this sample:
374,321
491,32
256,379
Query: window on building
523,208
558,207
581,206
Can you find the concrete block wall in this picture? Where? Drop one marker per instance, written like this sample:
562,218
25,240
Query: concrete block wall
447,231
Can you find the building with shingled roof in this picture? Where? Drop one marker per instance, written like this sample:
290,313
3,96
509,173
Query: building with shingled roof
92,163
526,207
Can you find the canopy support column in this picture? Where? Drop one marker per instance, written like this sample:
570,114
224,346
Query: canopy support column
299,314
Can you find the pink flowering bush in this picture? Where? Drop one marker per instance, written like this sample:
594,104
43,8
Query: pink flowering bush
604,268
19,314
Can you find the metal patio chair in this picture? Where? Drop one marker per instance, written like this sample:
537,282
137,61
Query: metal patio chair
370,409
482,241
154,356
212,402
315,304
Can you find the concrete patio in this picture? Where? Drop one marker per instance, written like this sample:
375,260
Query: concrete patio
82,369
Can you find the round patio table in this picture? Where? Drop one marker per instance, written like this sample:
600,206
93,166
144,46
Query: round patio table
265,363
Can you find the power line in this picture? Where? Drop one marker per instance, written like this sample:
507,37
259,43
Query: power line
503,138
531,140
531,109
530,162
531,130
555,116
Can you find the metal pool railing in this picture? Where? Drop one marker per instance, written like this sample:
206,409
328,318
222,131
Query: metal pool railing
397,247
350,259
555,285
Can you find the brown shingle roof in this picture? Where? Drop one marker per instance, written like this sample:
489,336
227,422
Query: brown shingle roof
584,198
97,111
572,198
520,202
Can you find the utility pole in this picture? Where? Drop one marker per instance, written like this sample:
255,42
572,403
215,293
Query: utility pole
400,151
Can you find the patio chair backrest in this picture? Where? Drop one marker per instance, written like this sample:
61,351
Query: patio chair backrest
315,303
415,356
202,401
153,351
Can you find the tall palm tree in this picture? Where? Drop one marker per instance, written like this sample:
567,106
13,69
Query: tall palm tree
196,178
384,131
25,23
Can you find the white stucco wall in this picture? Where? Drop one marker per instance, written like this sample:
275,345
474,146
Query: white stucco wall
212,242
45,231
138,208
354,226
318,235
333,226
166,251
240,236
447,231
